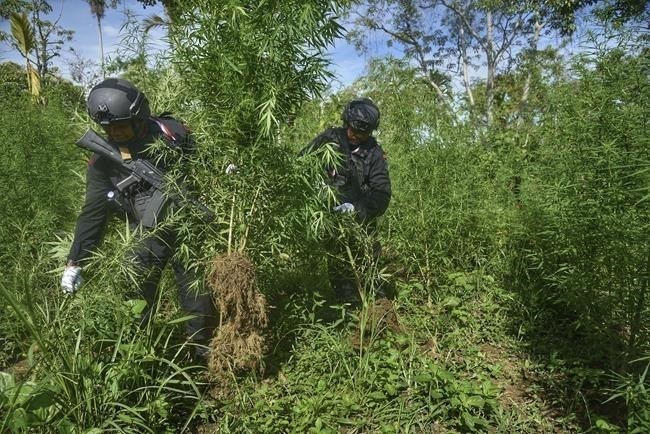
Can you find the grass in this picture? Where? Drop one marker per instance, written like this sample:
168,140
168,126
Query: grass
443,359
420,366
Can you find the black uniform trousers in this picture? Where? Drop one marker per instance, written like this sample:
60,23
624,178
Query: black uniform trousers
149,257
351,263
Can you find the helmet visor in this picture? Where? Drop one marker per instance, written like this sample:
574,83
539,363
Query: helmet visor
360,125
120,131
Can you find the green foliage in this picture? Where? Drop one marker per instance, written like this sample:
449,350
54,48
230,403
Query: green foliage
394,389
249,66
633,389
241,70
40,171
14,79
405,370
562,13
103,374
586,211
40,159
517,256
451,206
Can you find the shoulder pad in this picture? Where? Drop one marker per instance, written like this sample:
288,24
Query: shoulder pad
173,132
329,132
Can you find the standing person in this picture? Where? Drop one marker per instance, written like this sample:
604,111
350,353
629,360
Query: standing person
361,181
123,113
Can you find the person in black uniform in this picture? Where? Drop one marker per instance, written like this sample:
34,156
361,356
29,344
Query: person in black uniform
123,113
362,182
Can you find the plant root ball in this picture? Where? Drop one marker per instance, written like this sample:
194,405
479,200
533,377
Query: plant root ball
238,343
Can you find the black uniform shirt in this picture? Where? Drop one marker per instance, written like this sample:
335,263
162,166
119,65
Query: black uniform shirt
102,176
363,178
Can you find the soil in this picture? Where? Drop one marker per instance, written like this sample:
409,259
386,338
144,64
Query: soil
238,344
381,318
514,384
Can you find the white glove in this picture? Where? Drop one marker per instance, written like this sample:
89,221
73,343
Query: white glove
72,279
230,169
344,208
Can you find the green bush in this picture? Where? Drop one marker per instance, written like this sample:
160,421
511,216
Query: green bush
40,170
586,206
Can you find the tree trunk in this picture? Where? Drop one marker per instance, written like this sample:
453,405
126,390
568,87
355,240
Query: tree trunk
101,45
523,102
463,50
491,69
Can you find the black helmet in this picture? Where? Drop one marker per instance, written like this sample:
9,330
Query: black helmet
115,99
361,114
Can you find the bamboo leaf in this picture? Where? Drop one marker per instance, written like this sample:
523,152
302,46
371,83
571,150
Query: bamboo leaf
267,119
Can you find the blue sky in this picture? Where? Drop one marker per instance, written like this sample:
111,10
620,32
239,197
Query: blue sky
75,15
347,64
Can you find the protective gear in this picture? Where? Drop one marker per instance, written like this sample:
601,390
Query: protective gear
361,115
231,168
103,176
115,99
344,208
72,279
362,178
362,185
155,249
148,259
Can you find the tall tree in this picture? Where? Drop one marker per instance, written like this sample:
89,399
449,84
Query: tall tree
418,31
98,10
49,36
173,9
561,14
470,38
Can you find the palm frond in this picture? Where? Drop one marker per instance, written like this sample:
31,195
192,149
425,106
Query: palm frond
34,81
23,33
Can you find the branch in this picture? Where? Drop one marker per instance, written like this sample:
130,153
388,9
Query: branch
408,39
507,41
467,24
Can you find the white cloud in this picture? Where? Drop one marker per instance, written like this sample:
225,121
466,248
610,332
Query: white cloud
110,31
